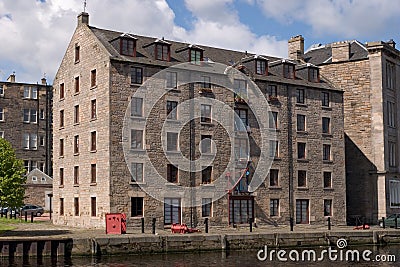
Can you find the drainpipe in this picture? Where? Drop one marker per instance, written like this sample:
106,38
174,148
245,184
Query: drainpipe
290,153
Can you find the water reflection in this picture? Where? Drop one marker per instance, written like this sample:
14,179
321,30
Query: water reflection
204,259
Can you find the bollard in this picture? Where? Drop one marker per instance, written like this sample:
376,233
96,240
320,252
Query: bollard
142,225
31,217
26,216
251,224
291,224
395,222
153,226
206,225
383,223
329,223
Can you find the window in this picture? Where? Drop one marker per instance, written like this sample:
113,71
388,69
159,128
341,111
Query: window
93,109
61,206
205,144
33,165
326,125
273,207
61,176
301,123
390,75
27,165
33,116
172,210
127,47
1,90
93,173
41,140
172,173
61,147
136,75
288,71
241,149
301,178
76,175
76,144
261,67
206,205
136,206
391,114
273,120
41,168
30,92
392,154
76,206
240,89
30,115
93,78
243,122
27,91
327,207
76,114
172,141
274,149
62,118
77,53
171,79
302,211
206,82
273,177
1,114
1,134
301,150
29,141
162,52
272,91
62,92
172,110
137,172
206,113
300,96
325,99
206,177
77,84
26,115
34,178
313,75
42,115
93,141
93,206
394,187
326,152
25,141
136,139
196,56
241,210
327,180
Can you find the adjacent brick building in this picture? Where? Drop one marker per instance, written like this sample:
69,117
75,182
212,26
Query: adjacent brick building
93,87
368,74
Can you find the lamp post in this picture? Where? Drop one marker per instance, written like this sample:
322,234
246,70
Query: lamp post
50,195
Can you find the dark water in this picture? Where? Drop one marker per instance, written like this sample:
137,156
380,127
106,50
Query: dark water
231,259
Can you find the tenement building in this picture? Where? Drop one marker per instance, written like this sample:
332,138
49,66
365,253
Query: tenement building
105,128
368,74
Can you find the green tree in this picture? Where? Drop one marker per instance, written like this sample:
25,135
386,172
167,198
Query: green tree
12,178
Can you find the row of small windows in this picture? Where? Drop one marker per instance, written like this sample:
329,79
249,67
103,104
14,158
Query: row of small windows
30,141
76,209
302,209
93,84
77,118
76,146
301,125
274,180
28,115
30,165
93,175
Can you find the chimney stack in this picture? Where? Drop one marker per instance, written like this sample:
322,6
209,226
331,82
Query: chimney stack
296,47
44,82
11,78
392,43
340,51
83,18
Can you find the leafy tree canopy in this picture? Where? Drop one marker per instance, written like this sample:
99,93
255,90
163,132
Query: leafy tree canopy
12,176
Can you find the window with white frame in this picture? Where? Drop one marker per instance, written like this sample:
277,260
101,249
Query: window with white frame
29,141
1,114
391,114
392,154
30,92
137,107
171,80
42,114
261,67
172,110
1,90
41,140
136,139
394,187
34,178
30,115
41,166
137,172
27,165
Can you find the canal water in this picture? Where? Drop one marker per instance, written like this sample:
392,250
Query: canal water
379,256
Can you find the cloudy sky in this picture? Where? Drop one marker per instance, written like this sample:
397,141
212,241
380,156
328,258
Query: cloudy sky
34,33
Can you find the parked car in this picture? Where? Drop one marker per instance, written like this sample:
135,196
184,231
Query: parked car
31,209
390,221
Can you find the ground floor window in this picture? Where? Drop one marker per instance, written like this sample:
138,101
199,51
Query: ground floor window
206,207
136,206
274,207
302,211
327,207
241,209
93,206
394,187
61,206
172,210
76,206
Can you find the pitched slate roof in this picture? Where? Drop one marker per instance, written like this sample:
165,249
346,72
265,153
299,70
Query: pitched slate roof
322,54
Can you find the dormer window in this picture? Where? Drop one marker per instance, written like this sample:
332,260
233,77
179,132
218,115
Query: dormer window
288,71
127,47
313,75
196,56
261,67
162,52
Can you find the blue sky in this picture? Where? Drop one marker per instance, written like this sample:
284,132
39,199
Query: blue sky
35,33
